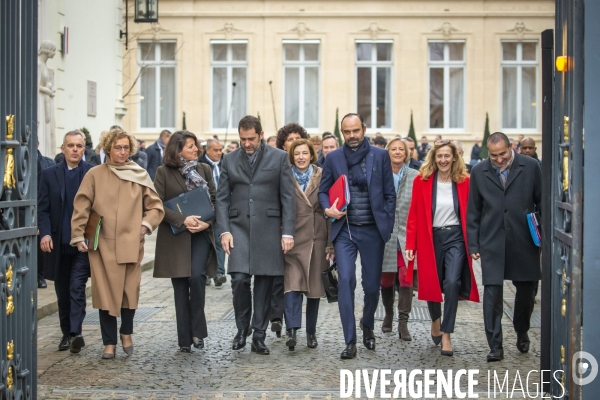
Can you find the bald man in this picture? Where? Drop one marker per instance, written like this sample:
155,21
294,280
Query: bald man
528,148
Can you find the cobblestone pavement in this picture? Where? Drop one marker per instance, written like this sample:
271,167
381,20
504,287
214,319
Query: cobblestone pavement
158,370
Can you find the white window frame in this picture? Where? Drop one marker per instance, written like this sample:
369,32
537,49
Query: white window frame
519,64
447,64
229,64
374,64
158,64
302,64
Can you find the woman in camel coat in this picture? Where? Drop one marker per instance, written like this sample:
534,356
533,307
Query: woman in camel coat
186,258
312,249
122,193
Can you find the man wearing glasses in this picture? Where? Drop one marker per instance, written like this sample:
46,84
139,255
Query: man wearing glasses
504,189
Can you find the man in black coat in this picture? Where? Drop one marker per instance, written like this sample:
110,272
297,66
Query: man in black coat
414,163
155,153
42,163
504,189
67,267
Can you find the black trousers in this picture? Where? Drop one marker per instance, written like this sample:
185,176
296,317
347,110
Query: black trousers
277,301
450,257
73,274
493,310
190,294
293,312
242,301
108,325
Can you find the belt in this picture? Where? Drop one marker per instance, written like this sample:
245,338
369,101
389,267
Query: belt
446,228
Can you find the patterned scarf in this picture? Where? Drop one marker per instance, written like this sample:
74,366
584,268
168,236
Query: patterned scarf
398,177
502,172
192,178
302,178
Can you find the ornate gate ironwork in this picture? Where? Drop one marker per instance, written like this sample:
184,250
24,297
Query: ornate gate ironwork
18,199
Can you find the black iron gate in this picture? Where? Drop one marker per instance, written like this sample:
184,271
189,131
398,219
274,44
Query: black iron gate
18,198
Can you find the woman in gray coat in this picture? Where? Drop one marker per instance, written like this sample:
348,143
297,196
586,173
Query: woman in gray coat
394,261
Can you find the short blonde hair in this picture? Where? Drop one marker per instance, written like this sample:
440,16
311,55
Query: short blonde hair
406,149
107,141
315,140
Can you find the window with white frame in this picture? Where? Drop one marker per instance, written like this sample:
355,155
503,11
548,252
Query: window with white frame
446,84
301,82
374,64
157,84
229,70
519,85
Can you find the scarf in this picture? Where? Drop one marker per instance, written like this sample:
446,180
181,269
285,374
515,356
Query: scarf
252,157
192,178
398,177
216,169
302,178
354,158
161,147
502,172
132,172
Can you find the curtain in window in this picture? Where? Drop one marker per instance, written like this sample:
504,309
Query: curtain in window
363,77
239,96
311,97
219,98
292,97
457,98
509,97
528,99
167,97
148,98
384,97
436,97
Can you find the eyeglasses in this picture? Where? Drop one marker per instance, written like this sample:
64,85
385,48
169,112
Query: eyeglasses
118,149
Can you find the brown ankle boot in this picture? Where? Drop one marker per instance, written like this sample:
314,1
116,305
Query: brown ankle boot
404,308
387,298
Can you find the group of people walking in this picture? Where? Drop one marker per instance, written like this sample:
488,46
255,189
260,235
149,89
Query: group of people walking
414,230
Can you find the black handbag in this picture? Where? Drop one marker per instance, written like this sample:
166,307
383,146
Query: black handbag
194,202
330,283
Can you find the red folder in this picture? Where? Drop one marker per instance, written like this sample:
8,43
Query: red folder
340,191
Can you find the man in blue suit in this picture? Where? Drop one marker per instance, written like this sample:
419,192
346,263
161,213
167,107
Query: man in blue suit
364,227
64,264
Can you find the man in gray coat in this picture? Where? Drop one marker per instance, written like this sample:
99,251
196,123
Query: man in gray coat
504,189
256,211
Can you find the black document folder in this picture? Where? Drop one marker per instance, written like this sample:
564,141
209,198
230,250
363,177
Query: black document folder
194,202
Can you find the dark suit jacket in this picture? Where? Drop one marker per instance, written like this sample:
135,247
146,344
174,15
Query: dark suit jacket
380,181
90,156
414,164
497,224
50,212
154,159
257,206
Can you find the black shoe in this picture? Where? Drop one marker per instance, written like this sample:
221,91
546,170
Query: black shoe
77,343
239,341
42,283
311,341
523,342
495,355
291,342
65,343
368,338
436,339
185,349
349,352
199,344
258,346
220,279
276,327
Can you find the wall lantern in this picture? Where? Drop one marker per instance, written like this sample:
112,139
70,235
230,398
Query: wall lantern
563,63
145,11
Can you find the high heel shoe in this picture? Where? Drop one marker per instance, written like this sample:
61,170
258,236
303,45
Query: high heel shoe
198,343
436,339
129,349
109,356
448,353
291,342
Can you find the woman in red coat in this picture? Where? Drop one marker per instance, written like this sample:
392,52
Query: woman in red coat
436,233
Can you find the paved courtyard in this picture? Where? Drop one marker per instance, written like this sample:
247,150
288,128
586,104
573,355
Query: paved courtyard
158,370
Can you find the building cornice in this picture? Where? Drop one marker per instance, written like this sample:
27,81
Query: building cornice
354,14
